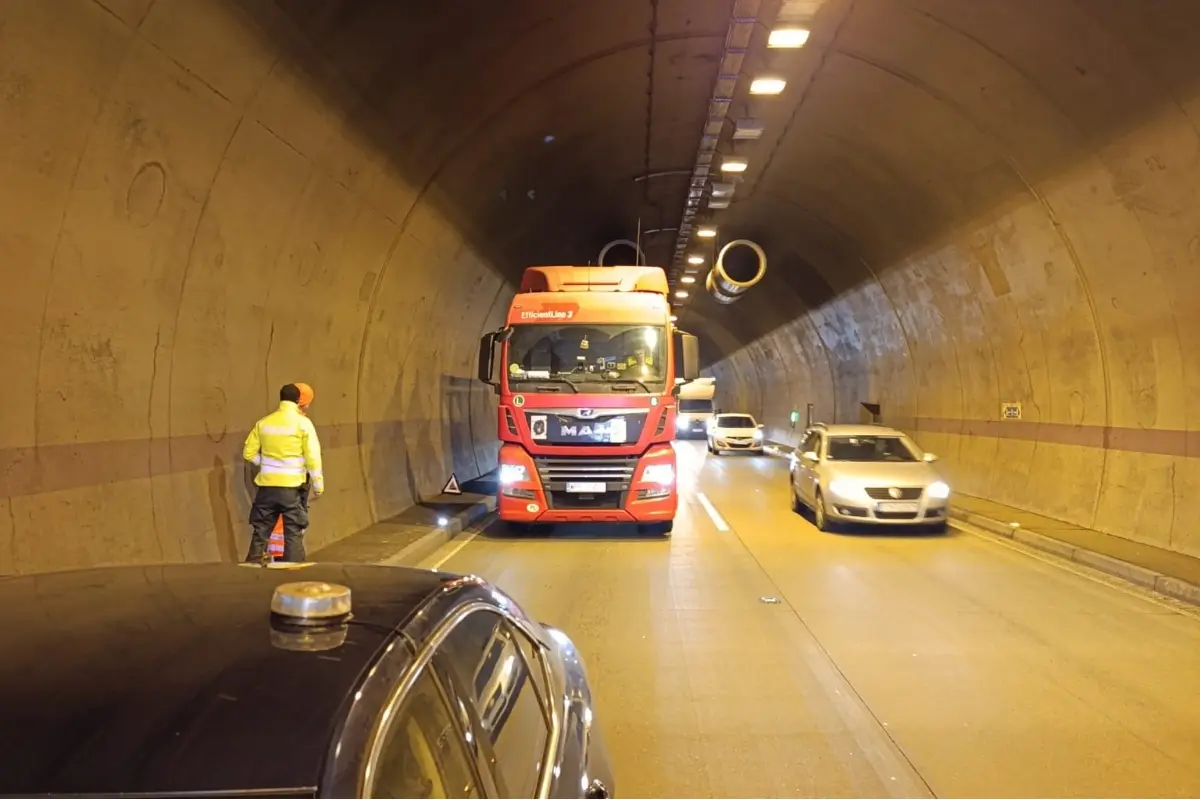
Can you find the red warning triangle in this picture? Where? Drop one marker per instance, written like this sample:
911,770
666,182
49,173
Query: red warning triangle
452,486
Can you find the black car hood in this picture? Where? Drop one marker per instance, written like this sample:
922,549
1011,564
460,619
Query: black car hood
165,679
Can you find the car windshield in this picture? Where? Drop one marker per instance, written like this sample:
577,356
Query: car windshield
696,406
869,448
735,421
609,354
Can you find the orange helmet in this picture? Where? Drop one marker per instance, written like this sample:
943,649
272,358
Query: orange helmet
306,394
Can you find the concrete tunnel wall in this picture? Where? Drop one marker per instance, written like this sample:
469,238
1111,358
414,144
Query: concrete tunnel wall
187,223
1072,286
965,203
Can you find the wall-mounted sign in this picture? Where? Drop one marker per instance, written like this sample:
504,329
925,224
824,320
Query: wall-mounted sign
1010,411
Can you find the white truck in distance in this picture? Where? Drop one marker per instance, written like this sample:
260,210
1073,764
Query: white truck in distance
694,409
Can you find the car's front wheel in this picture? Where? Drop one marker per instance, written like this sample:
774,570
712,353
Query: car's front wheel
822,522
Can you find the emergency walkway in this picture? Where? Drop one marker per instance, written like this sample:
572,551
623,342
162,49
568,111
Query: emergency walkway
1165,571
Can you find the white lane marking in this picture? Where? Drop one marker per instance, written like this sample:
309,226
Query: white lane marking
454,550
713,514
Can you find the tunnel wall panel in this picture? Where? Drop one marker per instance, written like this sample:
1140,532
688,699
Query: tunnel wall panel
1060,302
189,223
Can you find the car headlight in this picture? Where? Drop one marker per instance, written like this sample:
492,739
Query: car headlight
681,423
843,487
758,436
513,473
938,490
662,474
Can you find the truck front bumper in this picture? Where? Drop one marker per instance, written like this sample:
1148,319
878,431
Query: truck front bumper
568,488
535,510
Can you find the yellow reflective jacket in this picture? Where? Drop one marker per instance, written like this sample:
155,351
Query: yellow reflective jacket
284,445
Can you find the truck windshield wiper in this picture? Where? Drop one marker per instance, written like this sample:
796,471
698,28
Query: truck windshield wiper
633,380
574,388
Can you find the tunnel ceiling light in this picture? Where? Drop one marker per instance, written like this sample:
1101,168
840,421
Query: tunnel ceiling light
788,37
695,259
707,232
767,85
733,165
682,293
687,279
719,202
722,189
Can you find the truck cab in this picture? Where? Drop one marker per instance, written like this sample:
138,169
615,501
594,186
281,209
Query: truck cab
586,370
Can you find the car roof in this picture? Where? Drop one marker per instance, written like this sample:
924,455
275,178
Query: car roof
168,679
734,414
860,430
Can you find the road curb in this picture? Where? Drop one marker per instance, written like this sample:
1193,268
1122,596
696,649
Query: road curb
437,536
1176,588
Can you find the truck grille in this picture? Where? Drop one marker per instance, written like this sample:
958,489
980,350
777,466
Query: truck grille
907,493
616,473
561,469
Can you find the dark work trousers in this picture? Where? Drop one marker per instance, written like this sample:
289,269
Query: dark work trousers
269,503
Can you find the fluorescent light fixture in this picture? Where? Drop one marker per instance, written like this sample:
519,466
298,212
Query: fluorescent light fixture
682,293
695,259
722,189
707,233
733,165
767,85
788,37
719,202
687,279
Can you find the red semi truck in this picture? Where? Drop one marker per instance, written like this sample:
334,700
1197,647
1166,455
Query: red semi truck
589,365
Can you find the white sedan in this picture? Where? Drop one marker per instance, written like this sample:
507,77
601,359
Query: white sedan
734,432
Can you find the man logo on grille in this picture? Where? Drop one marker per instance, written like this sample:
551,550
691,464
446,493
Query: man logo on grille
586,413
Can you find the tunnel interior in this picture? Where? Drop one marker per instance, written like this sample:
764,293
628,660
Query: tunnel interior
968,207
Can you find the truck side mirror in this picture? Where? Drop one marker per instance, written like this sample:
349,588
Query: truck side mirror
487,360
687,356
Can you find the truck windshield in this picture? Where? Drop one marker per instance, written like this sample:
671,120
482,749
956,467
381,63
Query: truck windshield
620,355
696,406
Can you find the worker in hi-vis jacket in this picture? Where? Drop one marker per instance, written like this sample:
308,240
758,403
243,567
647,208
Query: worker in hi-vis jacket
285,448
276,547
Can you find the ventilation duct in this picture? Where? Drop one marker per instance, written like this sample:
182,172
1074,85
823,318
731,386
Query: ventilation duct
726,289
641,257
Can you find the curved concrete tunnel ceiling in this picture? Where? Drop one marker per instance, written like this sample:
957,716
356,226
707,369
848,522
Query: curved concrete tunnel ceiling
965,203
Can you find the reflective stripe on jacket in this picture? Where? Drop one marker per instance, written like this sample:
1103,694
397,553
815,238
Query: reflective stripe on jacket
285,447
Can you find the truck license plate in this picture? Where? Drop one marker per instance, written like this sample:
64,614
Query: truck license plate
586,488
900,508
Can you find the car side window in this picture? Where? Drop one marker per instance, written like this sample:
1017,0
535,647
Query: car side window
492,657
424,755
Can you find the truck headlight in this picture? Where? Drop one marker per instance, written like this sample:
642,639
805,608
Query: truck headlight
938,490
513,473
681,423
843,487
662,474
